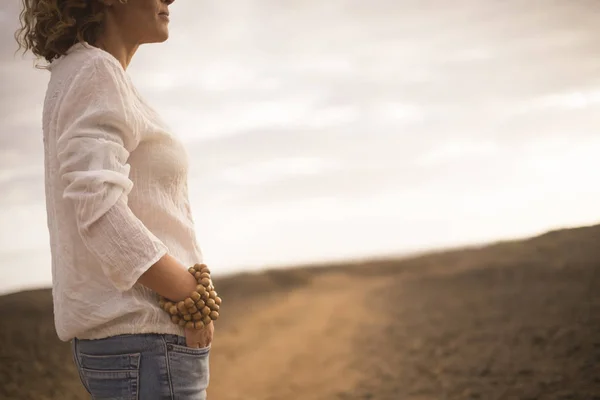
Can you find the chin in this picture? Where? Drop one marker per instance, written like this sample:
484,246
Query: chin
157,38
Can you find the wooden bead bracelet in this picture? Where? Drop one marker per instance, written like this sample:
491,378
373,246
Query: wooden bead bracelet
200,308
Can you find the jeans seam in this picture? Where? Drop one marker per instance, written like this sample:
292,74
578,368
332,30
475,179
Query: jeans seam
78,365
168,367
137,385
137,378
191,350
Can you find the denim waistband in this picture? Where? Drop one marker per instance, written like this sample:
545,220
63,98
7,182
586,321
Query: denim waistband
130,341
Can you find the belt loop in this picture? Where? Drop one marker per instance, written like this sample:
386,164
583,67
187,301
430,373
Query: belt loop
169,339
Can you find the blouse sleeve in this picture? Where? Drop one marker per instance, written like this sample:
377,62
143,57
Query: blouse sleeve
98,130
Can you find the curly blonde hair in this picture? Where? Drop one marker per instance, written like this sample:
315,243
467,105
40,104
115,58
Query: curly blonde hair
50,27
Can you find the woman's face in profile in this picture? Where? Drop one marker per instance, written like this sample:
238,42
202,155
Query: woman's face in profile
145,21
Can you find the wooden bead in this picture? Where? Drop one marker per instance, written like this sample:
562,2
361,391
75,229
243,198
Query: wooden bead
197,317
173,310
168,306
204,275
216,307
175,319
192,270
195,296
213,294
198,275
213,315
218,300
205,268
189,302
206,311
211,303
189,325
198,267
206,320
187,317
198,324
182,322
200,289
192,310
205,296
200,304
182,308
161,303
205,282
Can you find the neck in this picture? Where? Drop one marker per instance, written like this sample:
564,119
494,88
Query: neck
115,43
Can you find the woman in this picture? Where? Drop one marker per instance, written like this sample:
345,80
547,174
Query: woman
119,220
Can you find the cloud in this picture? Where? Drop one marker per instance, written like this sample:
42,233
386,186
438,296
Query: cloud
274,170
457,151
322,128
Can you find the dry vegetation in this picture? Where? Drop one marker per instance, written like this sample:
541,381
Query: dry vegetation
514,320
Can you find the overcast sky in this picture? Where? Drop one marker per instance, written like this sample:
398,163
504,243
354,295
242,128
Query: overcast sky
339,129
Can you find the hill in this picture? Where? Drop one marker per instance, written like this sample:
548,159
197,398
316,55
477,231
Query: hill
510,320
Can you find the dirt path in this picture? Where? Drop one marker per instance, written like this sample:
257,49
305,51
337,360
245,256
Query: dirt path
299,345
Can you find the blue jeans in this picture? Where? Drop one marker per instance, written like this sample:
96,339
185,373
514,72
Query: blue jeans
142,367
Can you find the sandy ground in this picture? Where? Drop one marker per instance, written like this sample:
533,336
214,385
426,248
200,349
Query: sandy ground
511,321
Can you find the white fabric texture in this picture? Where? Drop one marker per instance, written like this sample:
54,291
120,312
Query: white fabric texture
116,197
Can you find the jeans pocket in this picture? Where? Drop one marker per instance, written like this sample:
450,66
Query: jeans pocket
114,377
189,371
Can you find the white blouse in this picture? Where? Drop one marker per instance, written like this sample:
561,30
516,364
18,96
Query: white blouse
116,197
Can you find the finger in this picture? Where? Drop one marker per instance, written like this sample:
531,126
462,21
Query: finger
204,342
190,340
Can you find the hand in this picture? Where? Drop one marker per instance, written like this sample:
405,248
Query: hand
197,338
